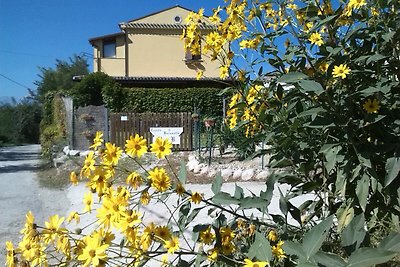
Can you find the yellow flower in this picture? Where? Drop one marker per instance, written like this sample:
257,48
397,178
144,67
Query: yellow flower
136,146
250,263
29,229
161,147
159,179
88,201
145,197
223,72
371,106
196,198
11,260
316,38
340,71
99,180
226,234
73,215
112,154
88,165
277,251
180,190
134,179
162,232
172,244
93,252
53,228
212,254
199,75
272,236
97,141
73,178
227,248
323,67
207,237
357,3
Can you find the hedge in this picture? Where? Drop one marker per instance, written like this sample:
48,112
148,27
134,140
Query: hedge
207,100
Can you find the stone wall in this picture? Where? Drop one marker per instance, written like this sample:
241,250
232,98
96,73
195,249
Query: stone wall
87,121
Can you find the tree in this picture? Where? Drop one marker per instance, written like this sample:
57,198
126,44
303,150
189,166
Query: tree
89,91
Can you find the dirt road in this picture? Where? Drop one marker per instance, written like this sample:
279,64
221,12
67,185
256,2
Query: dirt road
20,192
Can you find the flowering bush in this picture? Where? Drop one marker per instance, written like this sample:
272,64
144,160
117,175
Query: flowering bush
327,105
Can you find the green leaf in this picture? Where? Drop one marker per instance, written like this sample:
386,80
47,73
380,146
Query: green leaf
321,122
182,173
375,58
313,239
217,184
311,112
365,257
340,183
391,242
253,203
260,249
292,248
306,264
331,156
329,259
224,198
311,86
238,192
344,215
362,191
292,77
392,168
354,233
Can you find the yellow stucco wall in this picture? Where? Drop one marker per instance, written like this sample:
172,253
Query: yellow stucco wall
162,54
153,52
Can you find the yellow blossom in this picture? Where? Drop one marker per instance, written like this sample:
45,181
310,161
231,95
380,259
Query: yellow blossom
88,201
159,179
277,251
93,252
272,236
10,259
199,75
73,215
88,164
316,38
111,154
172,244
97,141
134,179
145,197
371,106
206,236
196,198
161,147
180,190
162,232
53,228
340,71
73,178
250,263
223,72
136,146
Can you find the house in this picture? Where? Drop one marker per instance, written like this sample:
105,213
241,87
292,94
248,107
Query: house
149,52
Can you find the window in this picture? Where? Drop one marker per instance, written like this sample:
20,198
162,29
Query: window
109,48
189,56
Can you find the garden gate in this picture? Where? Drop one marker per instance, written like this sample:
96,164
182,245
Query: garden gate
123,125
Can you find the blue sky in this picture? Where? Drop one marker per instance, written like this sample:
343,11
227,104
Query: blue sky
34,33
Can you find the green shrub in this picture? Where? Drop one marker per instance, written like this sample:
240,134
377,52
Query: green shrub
207,100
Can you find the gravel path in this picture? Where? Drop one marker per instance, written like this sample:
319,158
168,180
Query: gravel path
21,192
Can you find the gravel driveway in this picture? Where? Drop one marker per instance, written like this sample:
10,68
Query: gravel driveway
21,192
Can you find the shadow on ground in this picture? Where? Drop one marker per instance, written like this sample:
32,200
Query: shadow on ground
15,156
12,161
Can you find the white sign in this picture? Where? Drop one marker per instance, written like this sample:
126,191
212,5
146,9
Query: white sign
124,118
172,133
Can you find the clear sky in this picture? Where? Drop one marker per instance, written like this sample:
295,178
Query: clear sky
34,33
